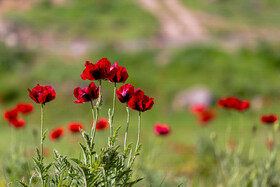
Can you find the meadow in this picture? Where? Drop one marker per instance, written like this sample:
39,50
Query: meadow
185,157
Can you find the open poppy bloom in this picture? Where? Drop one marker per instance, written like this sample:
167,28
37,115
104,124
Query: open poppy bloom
102,124
56,133
18,123
42,94
11,115
125,93
119,73
269,119
75,127
86,94
161,129
25,108
140,102
97,71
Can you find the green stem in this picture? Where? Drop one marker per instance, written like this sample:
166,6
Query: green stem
93,118
42,126
139,131
113,111
42,141
127,125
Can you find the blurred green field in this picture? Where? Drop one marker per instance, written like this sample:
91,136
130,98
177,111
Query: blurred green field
245,72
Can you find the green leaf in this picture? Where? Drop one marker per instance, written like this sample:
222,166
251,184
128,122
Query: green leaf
44,135
22,183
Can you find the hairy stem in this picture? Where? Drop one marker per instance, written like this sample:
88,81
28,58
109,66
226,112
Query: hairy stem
93,118
113,111
42,141
42,127
127,125
139,131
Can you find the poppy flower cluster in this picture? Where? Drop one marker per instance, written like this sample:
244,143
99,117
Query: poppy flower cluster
136,99
234,104
102,69
204,114
161,129
12,116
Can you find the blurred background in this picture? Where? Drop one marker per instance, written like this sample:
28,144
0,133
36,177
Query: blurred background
181,52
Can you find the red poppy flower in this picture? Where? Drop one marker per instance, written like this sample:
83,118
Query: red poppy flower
229,102
42,94
56,133
234,103
25,108
269,119
102,124
125,92
243,105
119,73
161,129
97,71
11,115
18,123
140,102
75,127
89,93
206,116
269,143
197,108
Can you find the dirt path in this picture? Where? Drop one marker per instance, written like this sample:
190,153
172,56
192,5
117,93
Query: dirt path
177,23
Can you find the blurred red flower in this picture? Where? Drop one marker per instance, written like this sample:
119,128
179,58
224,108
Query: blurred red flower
11,115
243,105
161,129
269,143
119,73
234,103
42,94
125,93
206,116
97,71
228,102
269,119
102,124
140,102
24,108
197,108
86,94
56,133
18,123
75,127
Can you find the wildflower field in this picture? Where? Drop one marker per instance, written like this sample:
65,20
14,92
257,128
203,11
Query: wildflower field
91,97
